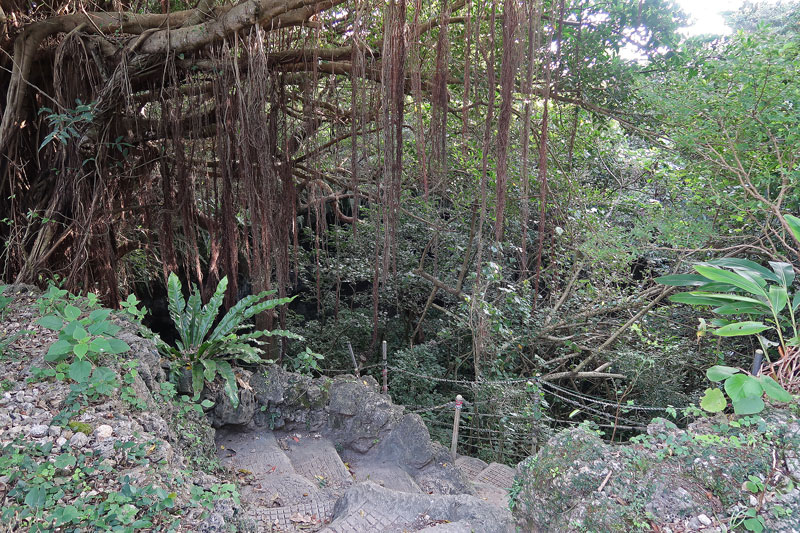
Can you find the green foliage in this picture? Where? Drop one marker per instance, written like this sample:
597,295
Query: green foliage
130,306
729,105
38,489
743,287
307,361
65,126
744,390
53,298
208,352
218,491
83,340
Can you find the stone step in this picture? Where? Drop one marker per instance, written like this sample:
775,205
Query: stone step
297,517
369,508
316,459
496,474
252,452
470,466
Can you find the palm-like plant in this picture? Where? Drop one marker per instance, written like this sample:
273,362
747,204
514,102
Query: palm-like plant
209,352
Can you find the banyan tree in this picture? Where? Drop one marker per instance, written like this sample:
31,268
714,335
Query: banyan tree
198,136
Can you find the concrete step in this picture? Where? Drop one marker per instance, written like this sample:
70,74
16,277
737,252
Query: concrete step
470,466
315,458
498,475
289,482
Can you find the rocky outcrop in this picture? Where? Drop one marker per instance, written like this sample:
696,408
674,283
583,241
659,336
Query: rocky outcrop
670,480
350,412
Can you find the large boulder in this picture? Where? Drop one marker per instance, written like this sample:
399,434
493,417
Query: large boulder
352,413
672,479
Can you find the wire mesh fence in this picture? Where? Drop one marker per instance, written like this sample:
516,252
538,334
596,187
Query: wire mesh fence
509,419
504,420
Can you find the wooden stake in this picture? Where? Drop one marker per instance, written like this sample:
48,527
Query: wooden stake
353,358
456,420
385,369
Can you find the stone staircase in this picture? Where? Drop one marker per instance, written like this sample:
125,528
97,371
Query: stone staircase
297,481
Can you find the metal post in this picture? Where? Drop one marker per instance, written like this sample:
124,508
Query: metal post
385,369
353,358
456,420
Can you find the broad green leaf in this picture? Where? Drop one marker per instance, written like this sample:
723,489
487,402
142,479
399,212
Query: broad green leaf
79,333
66,514
753,524
718,274
692,299
266,305
176,303
231,389
51,322
80,350
784,271
713,401
65,460
104,380
748,406
36,497
716,286
197,381
719,372
728,298
192,317
795,301
741,308
211,309
117,346
682,280
100,344
777,298
58,350
71,312
79,371
741,328
774,390
745,265
794,225
210,369
741,386
99,315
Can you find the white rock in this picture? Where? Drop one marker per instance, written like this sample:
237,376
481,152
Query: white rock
54,431
103,432
78,440
61,441
38,431
706,521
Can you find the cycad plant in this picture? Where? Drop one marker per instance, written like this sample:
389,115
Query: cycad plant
209,352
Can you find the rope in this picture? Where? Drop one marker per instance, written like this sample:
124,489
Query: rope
534,380
592,399
464,382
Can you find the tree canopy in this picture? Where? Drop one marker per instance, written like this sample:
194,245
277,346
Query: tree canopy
496,181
